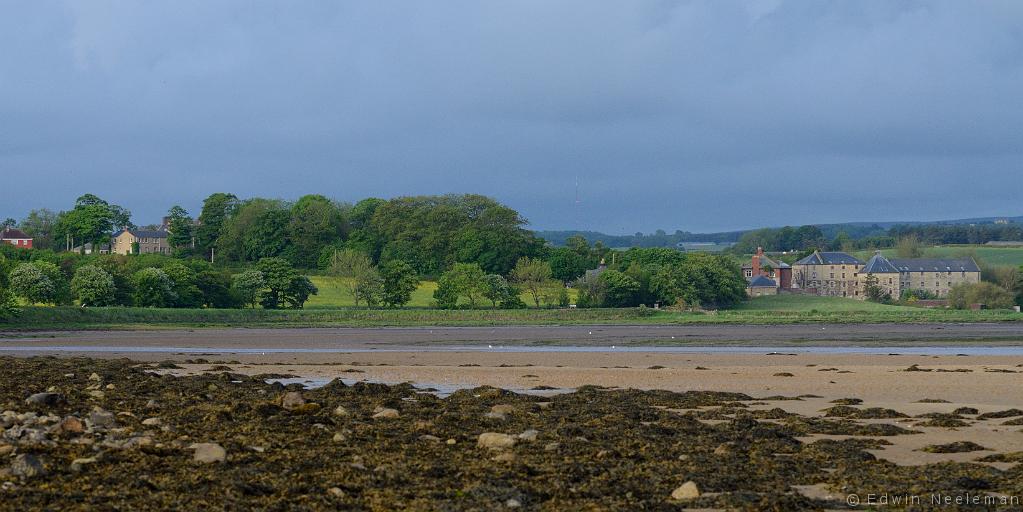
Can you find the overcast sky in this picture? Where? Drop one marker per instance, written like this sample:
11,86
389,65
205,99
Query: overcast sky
673,115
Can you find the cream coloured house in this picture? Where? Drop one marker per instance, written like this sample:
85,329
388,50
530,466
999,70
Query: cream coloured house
149,242
936,276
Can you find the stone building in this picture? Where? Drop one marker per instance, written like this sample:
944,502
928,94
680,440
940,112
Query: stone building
932,275
148,242
760,286
834,274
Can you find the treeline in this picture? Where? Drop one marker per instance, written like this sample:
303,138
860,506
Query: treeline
808,237
659,238
146,280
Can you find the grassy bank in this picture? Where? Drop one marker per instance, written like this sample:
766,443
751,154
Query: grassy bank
774,310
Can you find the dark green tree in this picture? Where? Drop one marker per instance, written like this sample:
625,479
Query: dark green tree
153,288
93,286
399,282
180,228
216,210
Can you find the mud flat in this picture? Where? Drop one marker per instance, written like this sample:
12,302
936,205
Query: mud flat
82,434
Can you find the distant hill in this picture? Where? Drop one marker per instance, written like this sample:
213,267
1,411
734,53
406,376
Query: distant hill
855,230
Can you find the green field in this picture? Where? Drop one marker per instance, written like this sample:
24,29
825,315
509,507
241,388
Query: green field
984,254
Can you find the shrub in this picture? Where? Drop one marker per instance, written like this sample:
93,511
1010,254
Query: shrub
93,286
153,288
962,296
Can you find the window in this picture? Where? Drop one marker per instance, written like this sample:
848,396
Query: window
843,275
832,275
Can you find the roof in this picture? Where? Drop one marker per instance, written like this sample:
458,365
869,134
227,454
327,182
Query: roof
139,233
878,264
935,265
13,234
829,258
767,262
762,282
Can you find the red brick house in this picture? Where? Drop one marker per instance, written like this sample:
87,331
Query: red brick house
15,237
761,265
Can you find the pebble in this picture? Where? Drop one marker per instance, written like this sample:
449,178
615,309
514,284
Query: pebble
111,386
336,492
292,400
6,449
152,404
95,393
550,447
529,435
495,441
95,377
45,399
151,422
71,425
386,414
101,418
27,465
686,491
340,411
209,452
513,503
77,464
504,457
339,437
451,441
428,437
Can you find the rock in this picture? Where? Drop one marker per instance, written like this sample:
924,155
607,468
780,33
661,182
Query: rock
137,442
504,457
6,449
544,405
513,503
428,437
550,447
339,438
340,411
152,404
78,464
336,492
45,399
499,412
152,422
258,449
495,441
71,425
686,491
111,387
450,441
306,408
101,418
95,377
292,400
529,435
95,393
208,453
27,465
386,414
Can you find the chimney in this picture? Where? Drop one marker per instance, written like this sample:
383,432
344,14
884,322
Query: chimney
756,261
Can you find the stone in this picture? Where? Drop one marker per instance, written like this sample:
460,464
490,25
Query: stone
495,441
208,453
386,414
152,404
686,491
723,449
95,377
111,386
78,464
451,441
71,425
336,492
430,438
340,411
45,399
544,405
95,393
529,435
339,438
503,409
27,465
6,449
504,457
292,400
513,503
550,447
101,418
152,422
137,442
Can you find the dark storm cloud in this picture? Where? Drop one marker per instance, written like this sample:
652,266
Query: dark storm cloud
674,115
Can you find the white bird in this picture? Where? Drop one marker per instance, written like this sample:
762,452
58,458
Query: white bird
490,346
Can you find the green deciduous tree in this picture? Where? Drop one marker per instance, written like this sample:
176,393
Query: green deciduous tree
153,288
31,284
216,291
247,286
315,222
93,286
497,289
619,289
354,271
463,280
533,276
283,287
399,281
963,296
216,210
180,228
